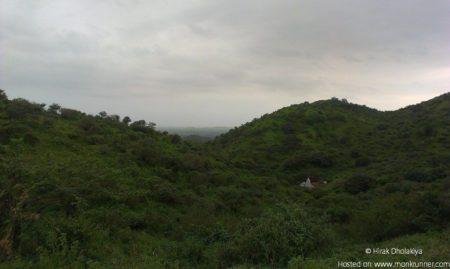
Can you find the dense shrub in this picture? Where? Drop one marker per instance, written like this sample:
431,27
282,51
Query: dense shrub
358,183
419,175
288,128
308,159
12,131
21,108
233,198
361,162
278,236
147,152
338,214
91,192
89,126
166,193
70,114
30,139
388,217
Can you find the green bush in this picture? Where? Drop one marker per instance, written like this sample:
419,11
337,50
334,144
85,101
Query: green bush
362,162
358,183
277,236
419,175
70,114
166,193
147,152
308,159
387,217
30,139
21,108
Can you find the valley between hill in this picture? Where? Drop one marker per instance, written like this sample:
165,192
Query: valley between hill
101,191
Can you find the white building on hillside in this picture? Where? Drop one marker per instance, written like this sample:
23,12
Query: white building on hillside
312,182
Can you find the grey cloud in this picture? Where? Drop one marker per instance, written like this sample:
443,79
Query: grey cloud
252,55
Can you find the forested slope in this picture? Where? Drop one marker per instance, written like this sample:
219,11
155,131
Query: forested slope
333,138
84,191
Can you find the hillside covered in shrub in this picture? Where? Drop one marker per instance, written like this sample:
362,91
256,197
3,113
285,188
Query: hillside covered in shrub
101,191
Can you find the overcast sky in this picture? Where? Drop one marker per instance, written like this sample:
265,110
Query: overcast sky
222,62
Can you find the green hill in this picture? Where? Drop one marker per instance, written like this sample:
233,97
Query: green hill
332,138
85,191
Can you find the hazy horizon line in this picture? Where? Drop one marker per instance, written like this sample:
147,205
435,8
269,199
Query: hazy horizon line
218,126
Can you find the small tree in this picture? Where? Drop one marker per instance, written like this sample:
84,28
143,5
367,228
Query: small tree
126,120
103,114
114,117
138,123
3,96
54,108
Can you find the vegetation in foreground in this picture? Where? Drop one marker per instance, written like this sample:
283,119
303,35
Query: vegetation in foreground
84,191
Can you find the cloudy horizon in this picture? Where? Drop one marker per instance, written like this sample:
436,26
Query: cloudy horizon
222,63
